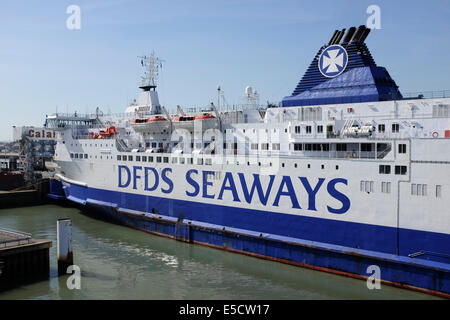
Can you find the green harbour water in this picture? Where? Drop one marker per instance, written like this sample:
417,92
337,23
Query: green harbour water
117,262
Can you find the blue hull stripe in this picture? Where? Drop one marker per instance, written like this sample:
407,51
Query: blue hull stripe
348,234
325,243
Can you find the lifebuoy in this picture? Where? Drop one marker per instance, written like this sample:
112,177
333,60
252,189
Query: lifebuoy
435,134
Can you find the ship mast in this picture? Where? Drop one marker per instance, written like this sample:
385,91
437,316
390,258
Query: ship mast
151,65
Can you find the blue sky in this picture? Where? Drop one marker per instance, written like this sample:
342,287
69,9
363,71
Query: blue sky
267,44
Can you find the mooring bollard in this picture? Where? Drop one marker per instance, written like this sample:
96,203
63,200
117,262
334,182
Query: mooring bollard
64,245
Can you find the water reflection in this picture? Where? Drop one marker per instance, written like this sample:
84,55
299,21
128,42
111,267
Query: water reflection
121,263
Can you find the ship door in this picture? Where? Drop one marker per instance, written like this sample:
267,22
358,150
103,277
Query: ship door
329,130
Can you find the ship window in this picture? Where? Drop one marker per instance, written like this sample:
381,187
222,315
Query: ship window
297,129
298,147
275,146
400,170
71,155
158,159
147,144
130,158
367,186
224,145
85,156
174,160
341,147
385,169
418,189
150,159
182,160
319,129
295,165
282,164
190,161
264,146
395,127
208,162
337,167
254,146
200,161
144,158
138,158
308,129
402,148
166,159
441,111
81,156
285,130
366,147
309,166
248,163
308,147
386,187
76,155
153,144
438,191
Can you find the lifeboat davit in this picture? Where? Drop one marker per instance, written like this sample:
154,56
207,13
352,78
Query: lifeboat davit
204,121
155,124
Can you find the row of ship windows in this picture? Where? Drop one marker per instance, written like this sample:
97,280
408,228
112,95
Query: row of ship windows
298,129
386,169
91,145
383,169
369,187
200,161
365,147
381,128
416,189
84,156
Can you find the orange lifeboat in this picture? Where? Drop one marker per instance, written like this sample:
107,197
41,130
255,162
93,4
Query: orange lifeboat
111,131
156,123
206,120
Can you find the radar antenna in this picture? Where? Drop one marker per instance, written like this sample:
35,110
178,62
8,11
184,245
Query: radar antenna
151,65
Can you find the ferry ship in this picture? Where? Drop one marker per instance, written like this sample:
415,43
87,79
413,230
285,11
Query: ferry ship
344,174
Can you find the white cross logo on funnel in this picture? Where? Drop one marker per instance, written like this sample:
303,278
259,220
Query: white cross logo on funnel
333,61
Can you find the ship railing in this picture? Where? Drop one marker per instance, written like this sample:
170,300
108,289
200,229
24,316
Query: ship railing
427,94
8,236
